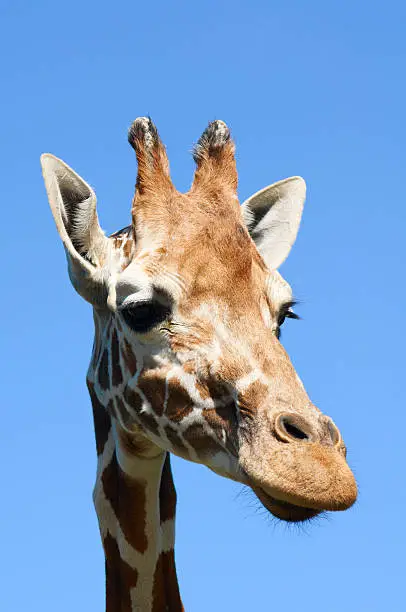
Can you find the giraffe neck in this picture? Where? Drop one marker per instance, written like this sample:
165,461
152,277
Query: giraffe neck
135,501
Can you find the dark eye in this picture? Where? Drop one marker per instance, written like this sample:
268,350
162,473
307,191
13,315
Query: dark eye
144,315
286,312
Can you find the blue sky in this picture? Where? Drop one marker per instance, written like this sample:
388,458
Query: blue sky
309,88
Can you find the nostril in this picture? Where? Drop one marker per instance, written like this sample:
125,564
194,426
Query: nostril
334,432
294,431
291,427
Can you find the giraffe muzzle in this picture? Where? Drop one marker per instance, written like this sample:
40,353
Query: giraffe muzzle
302,469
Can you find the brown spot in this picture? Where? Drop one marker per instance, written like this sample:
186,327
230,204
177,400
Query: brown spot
121,410
111,409
202,390
101,419
120,578
201,441
190,367
96,345
158,590
116,374
167,492
103,373
148,422
127,498
129,358
117,241
253,397
224,418
165,591
110,484
179,404
218,417
217,388
174,438
173,599
152,384
132,398
128,248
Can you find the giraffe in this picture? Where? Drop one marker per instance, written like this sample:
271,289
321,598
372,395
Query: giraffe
188,304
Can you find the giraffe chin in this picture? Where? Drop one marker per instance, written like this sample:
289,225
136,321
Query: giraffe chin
284,510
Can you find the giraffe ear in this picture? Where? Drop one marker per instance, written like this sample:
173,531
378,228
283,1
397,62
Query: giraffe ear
73,205
273,217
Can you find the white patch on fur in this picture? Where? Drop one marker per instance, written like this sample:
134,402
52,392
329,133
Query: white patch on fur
221,132
278,289
145,123
223,463
242,384
265,314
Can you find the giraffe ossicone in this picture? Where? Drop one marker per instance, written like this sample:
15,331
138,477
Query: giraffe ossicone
188,304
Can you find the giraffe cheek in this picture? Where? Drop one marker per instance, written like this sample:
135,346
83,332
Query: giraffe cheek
176,441
203,444
116,373
149,423
129,358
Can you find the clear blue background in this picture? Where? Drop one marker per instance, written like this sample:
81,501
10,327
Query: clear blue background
311,88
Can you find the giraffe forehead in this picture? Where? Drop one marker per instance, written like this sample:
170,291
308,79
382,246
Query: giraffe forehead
201,244
206,254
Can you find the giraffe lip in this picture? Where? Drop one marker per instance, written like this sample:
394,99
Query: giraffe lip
283,510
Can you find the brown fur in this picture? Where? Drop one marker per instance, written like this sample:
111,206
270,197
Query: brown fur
132,398
129,358
120,578
167,492
224,418
167,507
125,493
179,404
175,439
202,444
148,422
101,418
104,370
150,379
116,374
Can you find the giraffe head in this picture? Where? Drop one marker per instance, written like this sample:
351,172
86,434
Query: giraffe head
188,306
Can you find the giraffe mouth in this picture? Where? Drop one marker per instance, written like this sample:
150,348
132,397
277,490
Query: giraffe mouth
283,510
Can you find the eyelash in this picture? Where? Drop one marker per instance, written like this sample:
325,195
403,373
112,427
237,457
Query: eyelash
286,313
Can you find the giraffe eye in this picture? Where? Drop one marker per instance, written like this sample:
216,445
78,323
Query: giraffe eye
143,315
